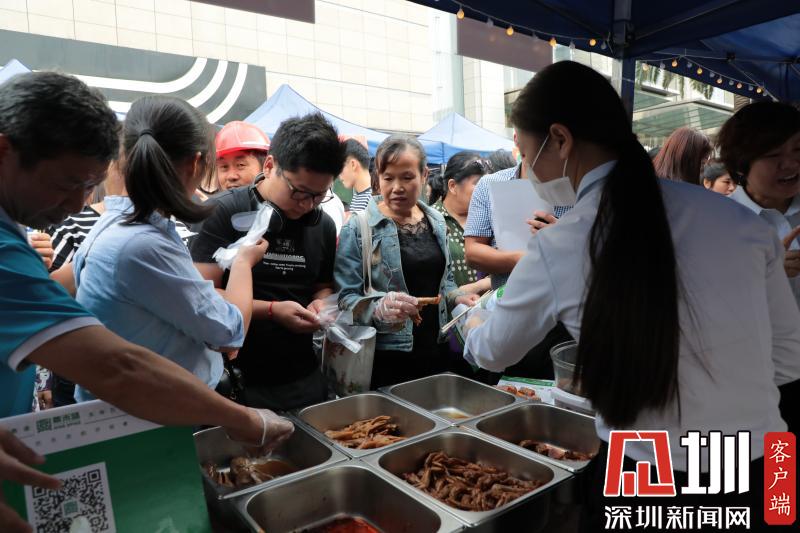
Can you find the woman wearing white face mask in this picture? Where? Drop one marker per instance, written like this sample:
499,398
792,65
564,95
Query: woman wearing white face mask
633,272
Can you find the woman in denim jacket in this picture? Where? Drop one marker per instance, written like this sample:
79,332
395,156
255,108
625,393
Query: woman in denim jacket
409,259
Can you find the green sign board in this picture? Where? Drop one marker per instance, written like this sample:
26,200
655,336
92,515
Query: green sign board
120,473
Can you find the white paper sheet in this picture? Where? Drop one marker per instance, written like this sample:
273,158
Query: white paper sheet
513,202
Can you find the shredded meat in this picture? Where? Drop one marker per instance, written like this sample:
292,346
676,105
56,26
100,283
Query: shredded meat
244,472
555,452
468,486
367,434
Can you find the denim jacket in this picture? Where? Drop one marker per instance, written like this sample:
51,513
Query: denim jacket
387,274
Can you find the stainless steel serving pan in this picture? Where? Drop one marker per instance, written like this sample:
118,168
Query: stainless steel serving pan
337,414
452,398
344,490
529,512
544,423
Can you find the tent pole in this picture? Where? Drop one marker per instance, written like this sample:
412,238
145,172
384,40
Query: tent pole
622,77
623,70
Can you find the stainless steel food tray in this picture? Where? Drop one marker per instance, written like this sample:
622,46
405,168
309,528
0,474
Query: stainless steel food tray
452,398
303,449
346,489
337,414
544,423
529,510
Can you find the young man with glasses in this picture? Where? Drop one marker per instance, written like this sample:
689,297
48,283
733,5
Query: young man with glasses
277,360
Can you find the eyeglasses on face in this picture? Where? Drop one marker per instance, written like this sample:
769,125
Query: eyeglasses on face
300,196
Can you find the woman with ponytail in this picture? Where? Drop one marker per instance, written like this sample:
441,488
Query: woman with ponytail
668,340
134,272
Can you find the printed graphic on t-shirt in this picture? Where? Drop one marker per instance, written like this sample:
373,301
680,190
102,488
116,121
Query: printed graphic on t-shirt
283,256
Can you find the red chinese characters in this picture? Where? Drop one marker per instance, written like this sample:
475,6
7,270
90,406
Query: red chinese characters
780,479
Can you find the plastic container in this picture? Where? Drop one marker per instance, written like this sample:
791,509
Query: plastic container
564,356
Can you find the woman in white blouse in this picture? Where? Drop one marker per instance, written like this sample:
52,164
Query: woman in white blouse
760,146
677,297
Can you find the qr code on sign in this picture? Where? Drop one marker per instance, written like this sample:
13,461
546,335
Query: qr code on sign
81,505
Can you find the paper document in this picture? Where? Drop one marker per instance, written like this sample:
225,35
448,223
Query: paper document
513,202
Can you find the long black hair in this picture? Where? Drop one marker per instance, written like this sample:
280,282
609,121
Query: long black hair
629,339
161,132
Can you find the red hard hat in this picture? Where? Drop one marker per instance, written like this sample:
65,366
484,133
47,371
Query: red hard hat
236,136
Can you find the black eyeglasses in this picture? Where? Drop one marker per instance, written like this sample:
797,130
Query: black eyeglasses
299,196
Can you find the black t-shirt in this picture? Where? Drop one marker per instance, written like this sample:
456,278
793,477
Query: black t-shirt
423,266
299,257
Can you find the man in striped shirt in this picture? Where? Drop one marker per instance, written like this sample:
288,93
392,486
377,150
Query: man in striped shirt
68,236
355,175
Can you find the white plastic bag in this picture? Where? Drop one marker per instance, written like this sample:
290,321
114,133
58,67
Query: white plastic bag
347,356
261,219
347,350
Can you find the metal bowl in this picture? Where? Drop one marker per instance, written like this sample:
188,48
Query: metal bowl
337,414
452,398
345,490
530,509
303,450
544,423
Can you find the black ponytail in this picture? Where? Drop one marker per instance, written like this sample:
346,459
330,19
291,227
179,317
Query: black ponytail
629,341
161,132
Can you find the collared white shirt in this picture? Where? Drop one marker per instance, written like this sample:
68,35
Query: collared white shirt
741,339
782,222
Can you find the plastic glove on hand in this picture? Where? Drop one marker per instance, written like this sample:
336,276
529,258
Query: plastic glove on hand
396,307
475,317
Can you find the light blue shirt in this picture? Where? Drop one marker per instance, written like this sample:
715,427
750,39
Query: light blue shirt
33,310
479,217
139,280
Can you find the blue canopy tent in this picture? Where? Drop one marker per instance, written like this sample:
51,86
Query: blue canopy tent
750,47
287,103
12,68
455,133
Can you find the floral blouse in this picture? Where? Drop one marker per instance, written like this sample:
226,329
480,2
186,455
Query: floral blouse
462,272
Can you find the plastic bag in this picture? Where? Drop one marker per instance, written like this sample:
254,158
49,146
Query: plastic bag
347,350
261,220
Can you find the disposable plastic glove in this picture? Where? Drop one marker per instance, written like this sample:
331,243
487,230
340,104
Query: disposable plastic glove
273,429
396,307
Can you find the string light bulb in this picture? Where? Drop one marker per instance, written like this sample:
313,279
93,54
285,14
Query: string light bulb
603,45
689,64
719,81
730,82
645,67
749,87
592,42
510,31
572,46
711,74
699,70
674,62
739,85
553,42
759,90
661,65
489,22
460,13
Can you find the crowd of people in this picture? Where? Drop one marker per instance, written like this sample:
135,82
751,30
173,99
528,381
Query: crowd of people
680,298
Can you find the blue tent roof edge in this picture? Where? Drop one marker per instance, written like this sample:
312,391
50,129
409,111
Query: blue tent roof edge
287,102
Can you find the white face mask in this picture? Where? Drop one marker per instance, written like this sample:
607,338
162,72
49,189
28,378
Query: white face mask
555,192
